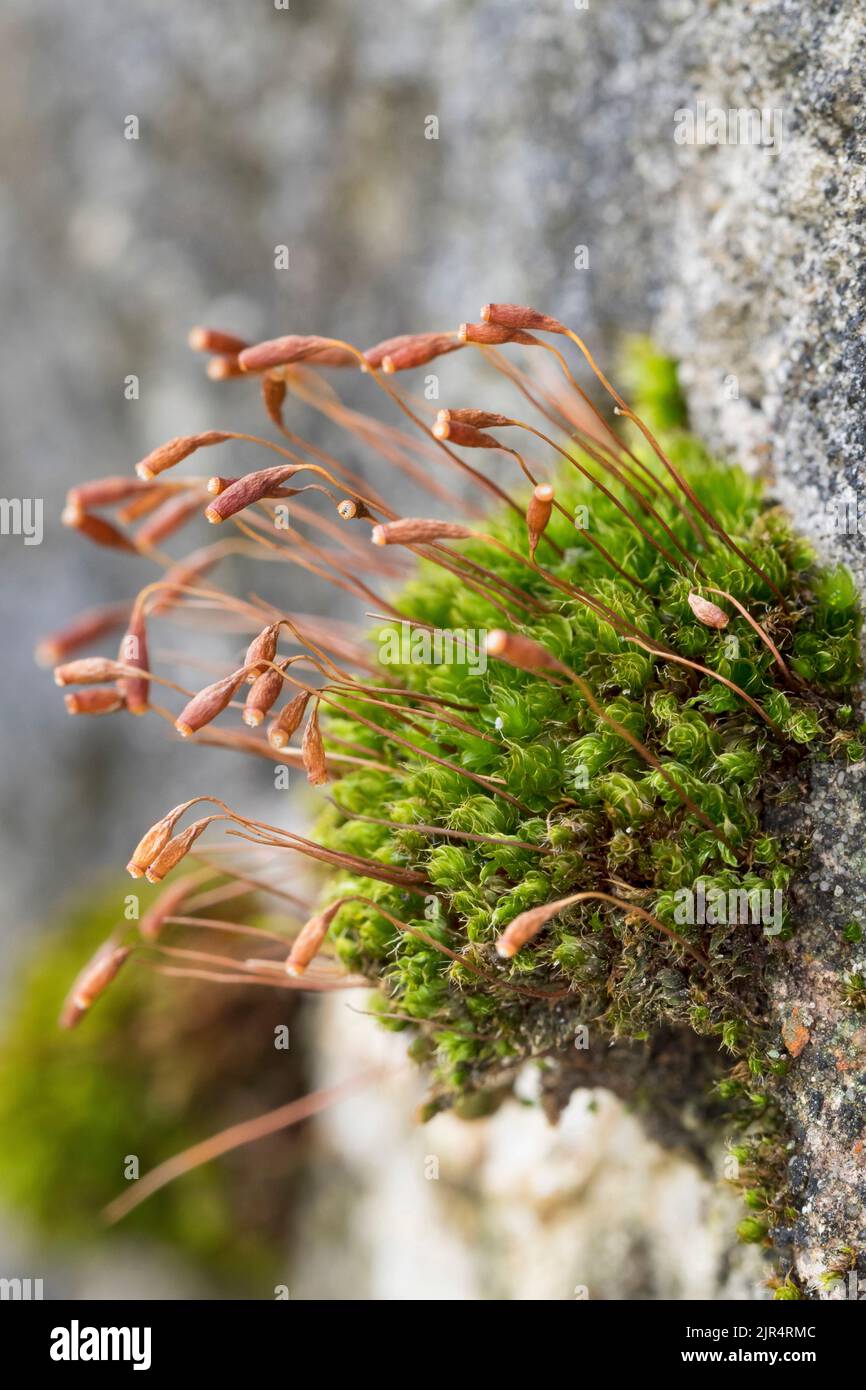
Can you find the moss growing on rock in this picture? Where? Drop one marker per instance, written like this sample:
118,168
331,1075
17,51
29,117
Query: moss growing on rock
557,839
583,810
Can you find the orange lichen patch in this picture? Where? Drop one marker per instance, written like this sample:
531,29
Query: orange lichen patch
795,1034
854,1056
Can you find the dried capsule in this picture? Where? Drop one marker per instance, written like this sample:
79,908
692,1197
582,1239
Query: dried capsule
273,396
308,942
520,316
538,515
175,850
95,700
104,492
217,484
288,720
87,627
212,340
89,670
494,335
95,528
224,368
278,352
313,751
133,652
252,487
373,356
154,840
97,974
264,693
419,349
175,450
708,613
208,703
525,926
466,436
418,531
477,419
353,509
261,652
523,652
331,356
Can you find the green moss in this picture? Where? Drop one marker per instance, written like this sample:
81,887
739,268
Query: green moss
751,1231
591,812
593,815
651,378
141,1076
854,991
786,1290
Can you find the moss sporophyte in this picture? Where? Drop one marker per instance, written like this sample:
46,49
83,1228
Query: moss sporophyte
596,663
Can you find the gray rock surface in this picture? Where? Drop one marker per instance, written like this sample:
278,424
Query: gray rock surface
765,307
824,1094
765,304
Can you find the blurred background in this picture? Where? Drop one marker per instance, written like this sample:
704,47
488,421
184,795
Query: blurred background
154,159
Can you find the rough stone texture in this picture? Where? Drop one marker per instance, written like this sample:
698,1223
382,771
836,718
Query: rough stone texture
306,127
765,304
825,1093
765,307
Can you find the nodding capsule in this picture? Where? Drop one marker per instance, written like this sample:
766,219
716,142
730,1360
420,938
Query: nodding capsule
89,670
176,849
538,514
95,700
708,613
96,976
261,652
313,751
520,316
466,436
175,451
264,692
520,651
212,340
411,530
308,942
208,703
288,721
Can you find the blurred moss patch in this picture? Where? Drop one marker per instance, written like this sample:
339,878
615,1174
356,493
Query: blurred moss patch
157,1065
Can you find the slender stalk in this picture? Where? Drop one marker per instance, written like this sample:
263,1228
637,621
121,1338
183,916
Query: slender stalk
247,1132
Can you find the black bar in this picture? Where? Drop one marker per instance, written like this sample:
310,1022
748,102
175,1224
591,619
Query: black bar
228,1338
